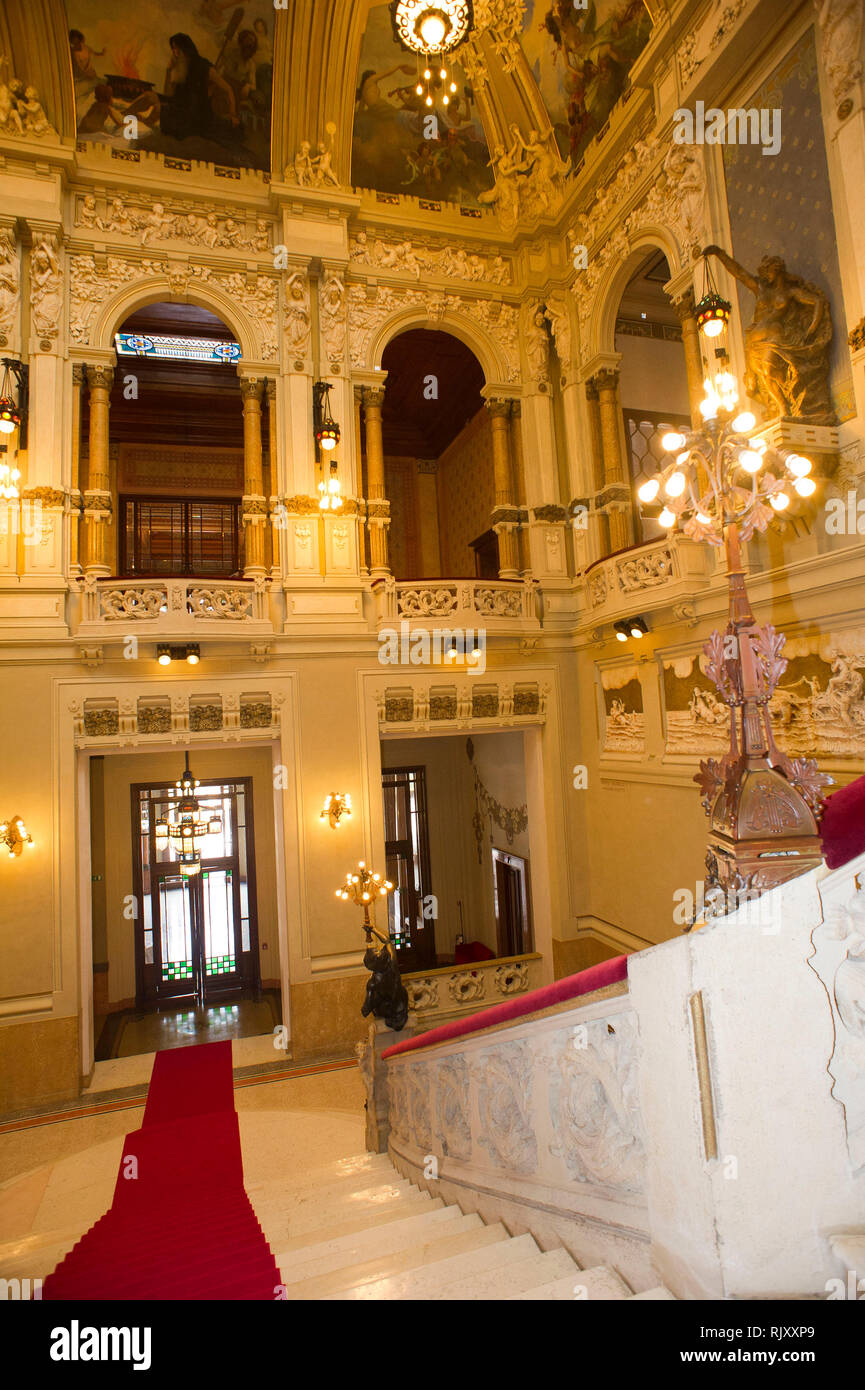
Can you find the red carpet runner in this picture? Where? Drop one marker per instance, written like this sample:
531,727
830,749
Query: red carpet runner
181,1225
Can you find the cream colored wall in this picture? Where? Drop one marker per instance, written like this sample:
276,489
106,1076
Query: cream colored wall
120,773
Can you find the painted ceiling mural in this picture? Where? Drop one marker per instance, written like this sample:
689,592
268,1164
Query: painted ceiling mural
389,149
196,75
581,58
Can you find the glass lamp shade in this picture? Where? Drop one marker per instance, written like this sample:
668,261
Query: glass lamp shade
713,314
161,831
190,863
215,825
9,417
327,436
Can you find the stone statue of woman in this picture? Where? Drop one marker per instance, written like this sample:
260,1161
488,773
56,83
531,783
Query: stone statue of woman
787,343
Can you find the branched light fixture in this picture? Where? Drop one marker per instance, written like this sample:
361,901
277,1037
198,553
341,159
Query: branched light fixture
185,824
363,887
15,835
431,29
722,486
336,805
13,413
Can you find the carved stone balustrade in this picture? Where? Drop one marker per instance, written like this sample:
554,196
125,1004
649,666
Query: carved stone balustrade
183,608
455,991
491,604
647,577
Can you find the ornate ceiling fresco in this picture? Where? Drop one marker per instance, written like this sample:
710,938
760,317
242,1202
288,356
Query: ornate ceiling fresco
390,150
580,59
196,75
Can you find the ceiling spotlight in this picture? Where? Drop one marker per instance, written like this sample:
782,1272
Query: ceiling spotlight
637,627
163,654
193,654
622,631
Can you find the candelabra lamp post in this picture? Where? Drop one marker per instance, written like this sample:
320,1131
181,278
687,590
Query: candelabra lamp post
386,996
763,807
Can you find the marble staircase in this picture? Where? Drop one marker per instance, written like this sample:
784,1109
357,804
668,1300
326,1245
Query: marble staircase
355,1229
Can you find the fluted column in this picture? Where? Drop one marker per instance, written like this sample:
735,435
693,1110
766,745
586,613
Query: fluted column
378,508
598,522
97,497
684,307
617,492
505,518
254,504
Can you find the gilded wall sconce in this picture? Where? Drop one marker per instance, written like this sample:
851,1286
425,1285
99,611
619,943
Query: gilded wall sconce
15,835
337,805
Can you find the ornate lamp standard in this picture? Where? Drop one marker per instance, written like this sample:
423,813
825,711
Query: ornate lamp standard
763,807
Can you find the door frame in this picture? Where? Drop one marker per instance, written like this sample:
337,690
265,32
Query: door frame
135,791
521,865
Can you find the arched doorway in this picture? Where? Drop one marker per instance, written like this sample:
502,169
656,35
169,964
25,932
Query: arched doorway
653,380
438,458
176,445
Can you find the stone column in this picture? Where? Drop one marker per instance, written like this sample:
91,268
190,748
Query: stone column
273,447
378,508
519,466
617,492
506,514
598,522
97,498
254,504
75,478
684,307
361,481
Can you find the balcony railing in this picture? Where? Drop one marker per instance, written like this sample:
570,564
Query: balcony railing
170,606
647,576
490,603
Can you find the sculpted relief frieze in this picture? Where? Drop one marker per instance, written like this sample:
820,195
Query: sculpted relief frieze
818,708
504,1079
149,222
92,282
839,960
594,1104
452,263
369,308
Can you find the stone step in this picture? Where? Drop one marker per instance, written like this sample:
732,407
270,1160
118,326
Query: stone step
289,1215
435,1281
474,1235
658,1293
276,1190
35,1257
501,1283
309,1261
599,1282
329,1174
330,1226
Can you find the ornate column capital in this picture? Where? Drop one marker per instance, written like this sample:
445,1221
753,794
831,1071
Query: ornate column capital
251,388
607,379
373,397
499,408
99,377
79,373
685,305
270,388
591,389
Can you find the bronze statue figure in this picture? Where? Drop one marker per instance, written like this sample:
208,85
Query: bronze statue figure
787,343
386,995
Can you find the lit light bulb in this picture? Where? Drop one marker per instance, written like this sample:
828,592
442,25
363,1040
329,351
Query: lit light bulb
637,632
649,490
713,327
675,484
453,86
709,406
672,440
779,501
445,99
419,90
805,486
683,457
429,101
750,460
744,422
667,518
427,74
758,445
433,30
799,466
703,519
621,637
6,425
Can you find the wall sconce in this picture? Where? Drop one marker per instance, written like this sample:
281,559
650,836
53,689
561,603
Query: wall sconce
190,653
326,428
14,416
630,627
336,805
15,835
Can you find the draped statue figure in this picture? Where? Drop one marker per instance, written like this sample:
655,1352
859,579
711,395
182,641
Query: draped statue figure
787,343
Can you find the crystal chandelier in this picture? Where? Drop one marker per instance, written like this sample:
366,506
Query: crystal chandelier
723,486
430,29
185,824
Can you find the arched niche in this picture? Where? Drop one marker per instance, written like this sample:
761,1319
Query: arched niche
497,371
138,294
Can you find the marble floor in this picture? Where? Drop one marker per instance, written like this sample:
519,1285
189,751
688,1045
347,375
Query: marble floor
136,1031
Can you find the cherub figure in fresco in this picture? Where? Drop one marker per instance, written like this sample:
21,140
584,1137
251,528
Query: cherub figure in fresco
104,110
82,58
369,96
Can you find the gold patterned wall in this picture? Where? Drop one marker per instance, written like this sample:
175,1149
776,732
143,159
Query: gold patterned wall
466,494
